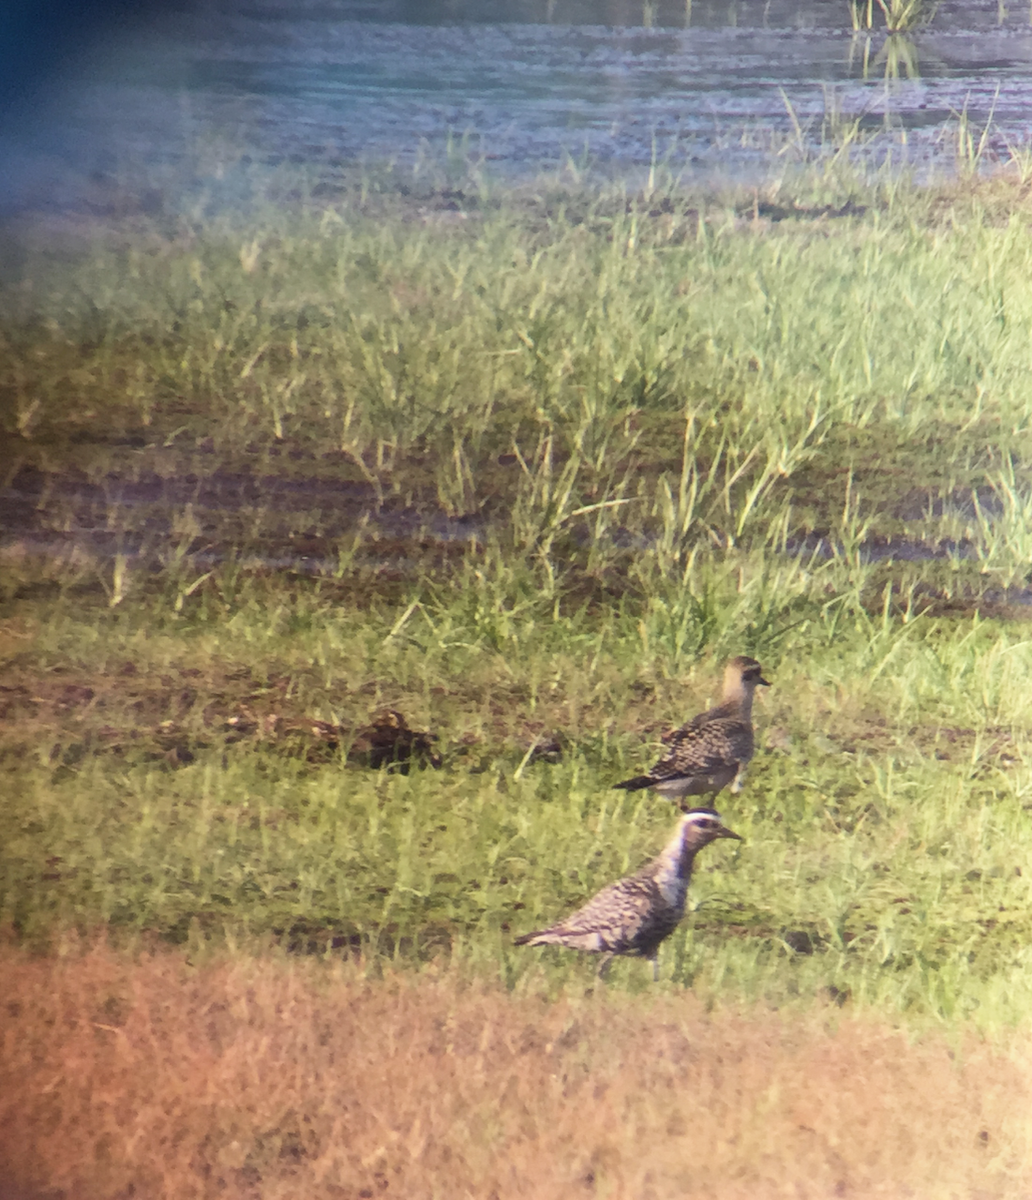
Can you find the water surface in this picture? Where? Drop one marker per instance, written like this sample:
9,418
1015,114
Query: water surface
525,85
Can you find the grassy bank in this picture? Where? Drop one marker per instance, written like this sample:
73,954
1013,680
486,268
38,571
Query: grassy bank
522,467
525,466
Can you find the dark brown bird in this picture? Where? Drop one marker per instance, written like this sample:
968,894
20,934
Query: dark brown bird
389,742
712,749
635,914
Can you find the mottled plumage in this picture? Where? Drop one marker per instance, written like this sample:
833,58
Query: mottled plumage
634,915
712,749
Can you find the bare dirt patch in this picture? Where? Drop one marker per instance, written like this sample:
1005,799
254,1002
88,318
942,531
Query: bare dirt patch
175,713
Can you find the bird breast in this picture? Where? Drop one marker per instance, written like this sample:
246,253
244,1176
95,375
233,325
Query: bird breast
674,889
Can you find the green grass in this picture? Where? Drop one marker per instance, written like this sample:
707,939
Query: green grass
571,367
886,820
647,400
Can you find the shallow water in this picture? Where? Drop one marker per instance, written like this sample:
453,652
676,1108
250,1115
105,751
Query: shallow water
526,85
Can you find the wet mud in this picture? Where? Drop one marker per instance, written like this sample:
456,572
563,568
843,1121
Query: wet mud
260,522
173,717
317,521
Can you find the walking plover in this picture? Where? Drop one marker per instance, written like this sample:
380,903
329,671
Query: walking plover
713,748
634,915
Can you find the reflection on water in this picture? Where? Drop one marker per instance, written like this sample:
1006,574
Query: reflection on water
708,85
899,56
701,14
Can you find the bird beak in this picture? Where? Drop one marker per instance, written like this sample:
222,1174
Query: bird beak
763,682
725,832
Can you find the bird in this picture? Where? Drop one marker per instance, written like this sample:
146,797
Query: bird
714,748
635,914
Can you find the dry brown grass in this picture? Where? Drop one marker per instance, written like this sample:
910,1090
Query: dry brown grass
248,1077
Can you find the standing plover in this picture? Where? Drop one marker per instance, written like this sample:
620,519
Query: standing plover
713,748
634,915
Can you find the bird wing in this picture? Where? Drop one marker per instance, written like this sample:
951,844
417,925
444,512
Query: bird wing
616,911
700,750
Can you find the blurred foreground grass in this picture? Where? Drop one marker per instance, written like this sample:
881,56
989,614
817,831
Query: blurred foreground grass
656,429
250,1076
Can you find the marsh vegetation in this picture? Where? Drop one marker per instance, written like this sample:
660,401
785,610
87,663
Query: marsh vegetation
523,465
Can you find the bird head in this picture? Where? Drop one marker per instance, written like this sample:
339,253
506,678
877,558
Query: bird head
704,825
746,672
